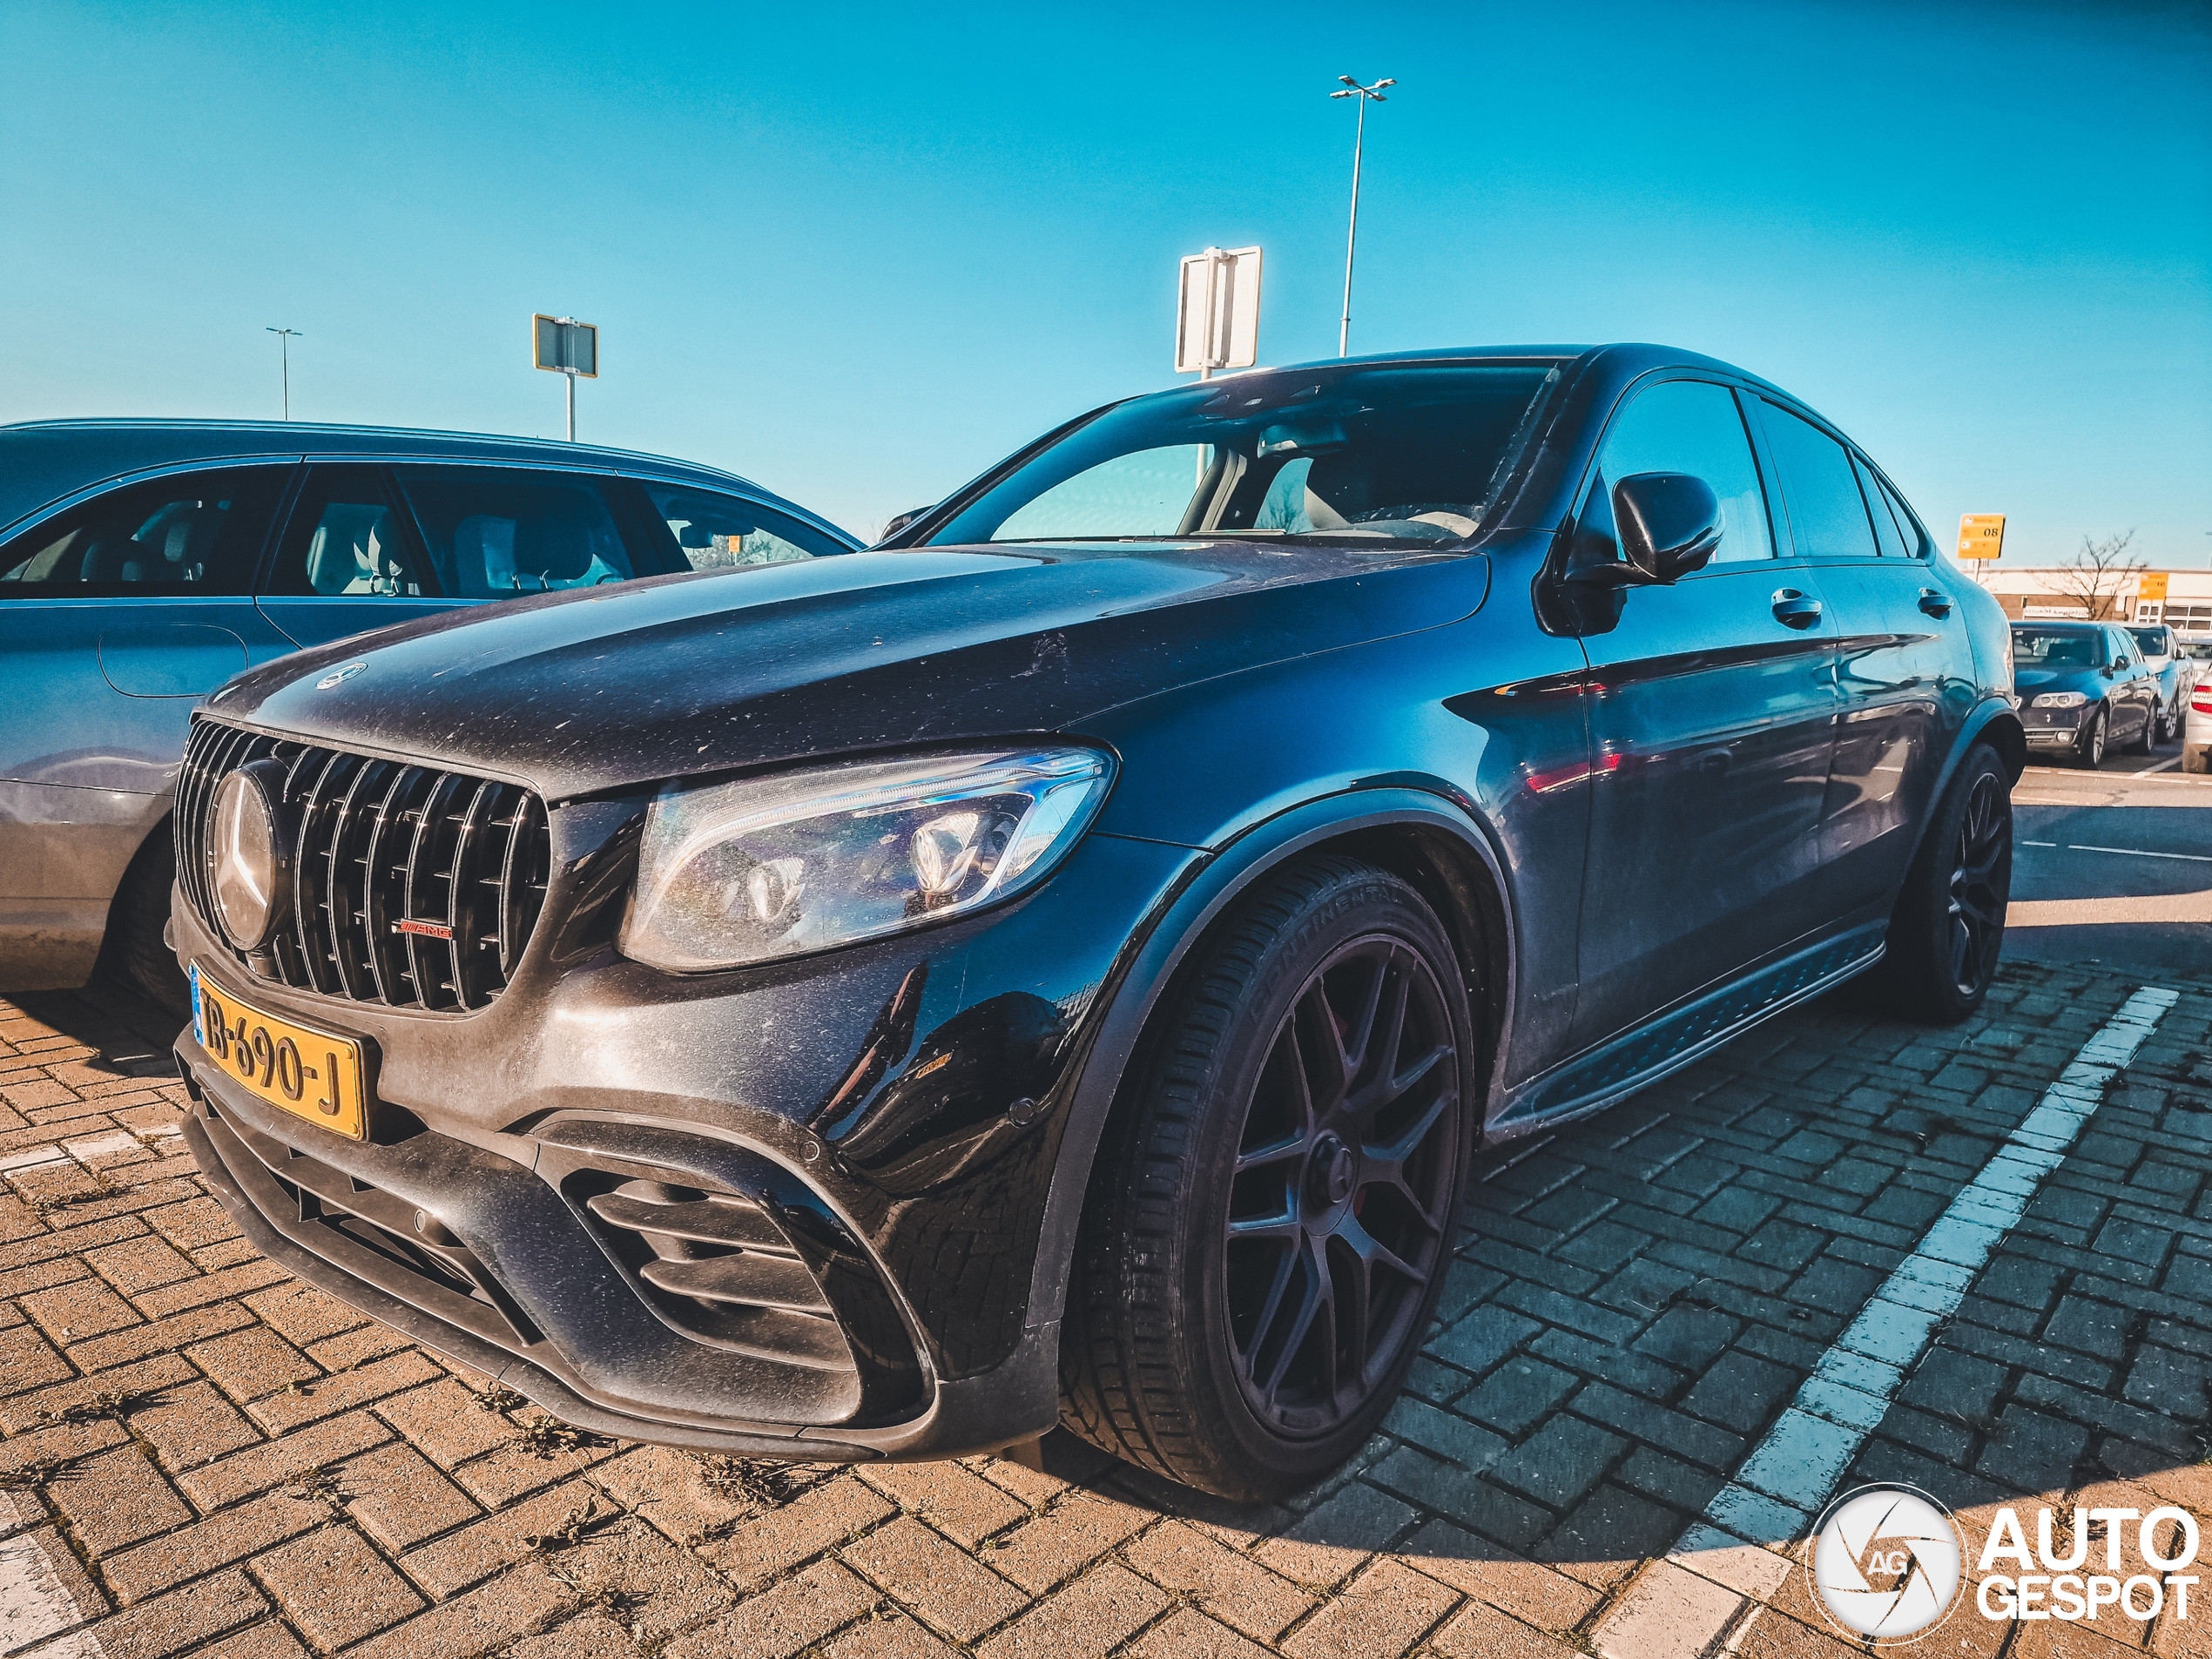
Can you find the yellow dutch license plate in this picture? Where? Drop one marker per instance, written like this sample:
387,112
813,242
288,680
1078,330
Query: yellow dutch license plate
294,1067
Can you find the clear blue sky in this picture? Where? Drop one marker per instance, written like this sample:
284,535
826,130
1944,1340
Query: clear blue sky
859,255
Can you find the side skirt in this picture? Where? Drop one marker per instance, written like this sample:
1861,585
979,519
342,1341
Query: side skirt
1632,1061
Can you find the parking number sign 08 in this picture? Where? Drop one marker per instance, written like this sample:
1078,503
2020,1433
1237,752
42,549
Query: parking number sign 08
1981,536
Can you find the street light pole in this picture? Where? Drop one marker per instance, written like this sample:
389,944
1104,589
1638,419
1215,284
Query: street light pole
285,337
1365,94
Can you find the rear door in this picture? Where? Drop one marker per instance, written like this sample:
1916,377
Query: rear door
118,617
1904,664
1711,721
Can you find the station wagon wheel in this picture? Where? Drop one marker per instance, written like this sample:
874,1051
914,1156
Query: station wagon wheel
1335,1222
1272,1210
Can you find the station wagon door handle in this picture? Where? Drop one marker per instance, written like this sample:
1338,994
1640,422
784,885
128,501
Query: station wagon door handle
1935,602
1794,610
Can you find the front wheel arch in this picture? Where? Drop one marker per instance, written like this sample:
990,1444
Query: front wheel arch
1443,852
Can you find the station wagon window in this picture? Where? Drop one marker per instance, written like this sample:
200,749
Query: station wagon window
718,532
1826,509
494,532
346,539
1693,426
191,533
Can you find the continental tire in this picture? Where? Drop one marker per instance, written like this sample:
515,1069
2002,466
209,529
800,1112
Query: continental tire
1272,1211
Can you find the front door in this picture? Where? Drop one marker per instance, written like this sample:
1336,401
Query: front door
1712,713
349,560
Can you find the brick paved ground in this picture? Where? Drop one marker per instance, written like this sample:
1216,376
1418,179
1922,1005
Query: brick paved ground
201,1455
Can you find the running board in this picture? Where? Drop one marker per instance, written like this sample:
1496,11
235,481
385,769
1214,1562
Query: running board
1639,1058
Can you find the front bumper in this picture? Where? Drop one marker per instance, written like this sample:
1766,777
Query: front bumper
853,1110
2054,728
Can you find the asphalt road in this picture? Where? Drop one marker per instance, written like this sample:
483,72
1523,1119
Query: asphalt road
2113,867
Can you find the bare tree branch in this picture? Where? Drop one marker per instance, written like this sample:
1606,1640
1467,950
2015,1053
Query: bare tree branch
2099,575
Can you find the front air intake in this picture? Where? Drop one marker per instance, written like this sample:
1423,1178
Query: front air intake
720,1269
412,886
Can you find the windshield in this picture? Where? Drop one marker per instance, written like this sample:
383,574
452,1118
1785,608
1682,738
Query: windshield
2153,641
2058,648
1387,455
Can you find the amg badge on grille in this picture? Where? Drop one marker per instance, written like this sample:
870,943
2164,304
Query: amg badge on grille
428,929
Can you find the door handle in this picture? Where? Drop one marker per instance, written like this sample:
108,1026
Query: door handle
1795,610
1935,602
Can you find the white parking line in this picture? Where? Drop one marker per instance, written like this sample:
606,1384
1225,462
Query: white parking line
1743,1548
34,1602
2138,852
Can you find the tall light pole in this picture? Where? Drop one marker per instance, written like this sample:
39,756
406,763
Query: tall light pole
285,337
1365,95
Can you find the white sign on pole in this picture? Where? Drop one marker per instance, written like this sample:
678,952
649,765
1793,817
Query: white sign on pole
1217,319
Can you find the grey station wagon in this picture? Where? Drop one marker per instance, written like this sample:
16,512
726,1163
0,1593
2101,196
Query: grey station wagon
143,564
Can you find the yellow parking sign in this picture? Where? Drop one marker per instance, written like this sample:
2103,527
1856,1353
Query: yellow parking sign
1981,536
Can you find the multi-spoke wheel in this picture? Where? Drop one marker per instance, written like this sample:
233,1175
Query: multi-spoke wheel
1980,875
1948,930
1336,1211
1271,1213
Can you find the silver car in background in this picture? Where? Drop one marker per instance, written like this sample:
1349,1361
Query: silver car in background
144,563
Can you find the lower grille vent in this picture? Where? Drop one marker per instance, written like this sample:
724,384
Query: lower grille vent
717,1267
387,1226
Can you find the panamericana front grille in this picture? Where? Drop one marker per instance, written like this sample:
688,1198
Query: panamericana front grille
411,887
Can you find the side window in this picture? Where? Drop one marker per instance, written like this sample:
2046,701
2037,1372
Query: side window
1826,509
192,533
346,539
1915,543
494,532
716,532
1887,536
1693,426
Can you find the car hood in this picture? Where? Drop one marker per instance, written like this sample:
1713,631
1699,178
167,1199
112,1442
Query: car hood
605,689
2090,681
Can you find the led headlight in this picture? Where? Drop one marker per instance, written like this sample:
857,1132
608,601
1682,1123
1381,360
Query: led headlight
2059,700
797,861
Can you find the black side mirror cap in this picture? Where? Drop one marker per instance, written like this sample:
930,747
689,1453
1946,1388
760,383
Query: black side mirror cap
1670,523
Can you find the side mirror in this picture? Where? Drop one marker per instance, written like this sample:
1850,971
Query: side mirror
899,521
1670,523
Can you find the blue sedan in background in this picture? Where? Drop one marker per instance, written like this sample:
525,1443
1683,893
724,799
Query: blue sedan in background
2084,687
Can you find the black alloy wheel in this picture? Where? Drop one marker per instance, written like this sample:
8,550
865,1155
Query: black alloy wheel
1274,1205
1947,933
2090,750
1976,911
1335,1225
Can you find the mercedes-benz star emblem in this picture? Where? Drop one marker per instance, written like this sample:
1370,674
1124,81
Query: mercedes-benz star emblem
251,848
338,676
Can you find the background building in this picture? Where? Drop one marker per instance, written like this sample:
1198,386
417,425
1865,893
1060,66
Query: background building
2056,591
